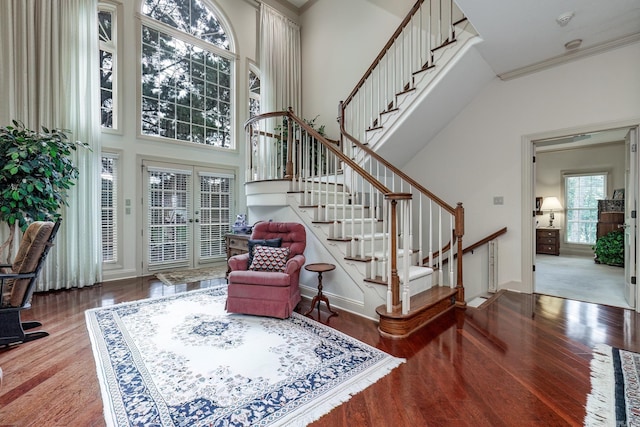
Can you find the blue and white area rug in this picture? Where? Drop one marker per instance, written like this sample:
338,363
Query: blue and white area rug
183,360
615,388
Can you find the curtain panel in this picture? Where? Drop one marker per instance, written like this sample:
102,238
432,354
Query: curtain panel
280,62
49,77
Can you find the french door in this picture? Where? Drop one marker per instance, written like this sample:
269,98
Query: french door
630,221
187,212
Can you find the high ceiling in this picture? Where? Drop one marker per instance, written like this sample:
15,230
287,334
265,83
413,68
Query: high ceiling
525,33
522,33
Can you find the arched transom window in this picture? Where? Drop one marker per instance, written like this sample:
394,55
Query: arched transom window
187,73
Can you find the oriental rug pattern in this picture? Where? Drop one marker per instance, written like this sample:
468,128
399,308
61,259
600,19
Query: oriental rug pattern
182,360
615,388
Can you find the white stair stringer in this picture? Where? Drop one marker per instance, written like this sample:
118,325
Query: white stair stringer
445,56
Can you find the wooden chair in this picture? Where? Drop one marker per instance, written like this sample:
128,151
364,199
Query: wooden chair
18,281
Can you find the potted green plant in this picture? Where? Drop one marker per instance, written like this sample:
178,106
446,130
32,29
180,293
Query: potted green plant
36,170
609,249
282,132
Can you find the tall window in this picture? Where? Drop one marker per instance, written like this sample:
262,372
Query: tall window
109,204
187,73
108,58
582,193
254,92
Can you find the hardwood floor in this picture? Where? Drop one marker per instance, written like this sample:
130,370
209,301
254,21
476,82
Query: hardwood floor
522,360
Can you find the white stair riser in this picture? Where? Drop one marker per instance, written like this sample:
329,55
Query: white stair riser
339,212
317,186
322,198
377,268
350,228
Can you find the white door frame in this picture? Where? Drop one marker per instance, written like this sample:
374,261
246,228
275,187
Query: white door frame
528,193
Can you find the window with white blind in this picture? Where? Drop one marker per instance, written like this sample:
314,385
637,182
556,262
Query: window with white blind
109,206
215,213
582,192
169,218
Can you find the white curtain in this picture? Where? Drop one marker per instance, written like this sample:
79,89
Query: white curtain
49,76
280,62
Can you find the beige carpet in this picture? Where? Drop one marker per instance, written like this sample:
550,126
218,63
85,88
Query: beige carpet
579,278
192,275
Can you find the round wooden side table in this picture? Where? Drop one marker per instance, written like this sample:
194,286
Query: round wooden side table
320,267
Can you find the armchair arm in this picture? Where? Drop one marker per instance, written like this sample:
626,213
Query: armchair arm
239,262
294,264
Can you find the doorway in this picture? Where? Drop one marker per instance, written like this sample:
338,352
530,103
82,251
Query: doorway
186,214
559,162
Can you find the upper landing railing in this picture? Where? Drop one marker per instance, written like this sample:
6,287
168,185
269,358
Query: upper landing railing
429,26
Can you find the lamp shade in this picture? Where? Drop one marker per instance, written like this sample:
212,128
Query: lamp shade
551,204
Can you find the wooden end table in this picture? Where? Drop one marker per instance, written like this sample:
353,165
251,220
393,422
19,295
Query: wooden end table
320,267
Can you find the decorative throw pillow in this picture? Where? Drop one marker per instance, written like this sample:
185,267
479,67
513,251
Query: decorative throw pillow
266,258
274,243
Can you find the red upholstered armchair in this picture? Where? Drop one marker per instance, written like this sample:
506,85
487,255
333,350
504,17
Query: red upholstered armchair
268,286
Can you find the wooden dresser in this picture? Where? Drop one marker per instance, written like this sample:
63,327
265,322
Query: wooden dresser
610,217
236,244
548,241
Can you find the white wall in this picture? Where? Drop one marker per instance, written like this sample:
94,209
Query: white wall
340,39
478,155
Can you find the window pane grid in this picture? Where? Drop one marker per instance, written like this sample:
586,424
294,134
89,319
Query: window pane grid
581,198
107,58
186,89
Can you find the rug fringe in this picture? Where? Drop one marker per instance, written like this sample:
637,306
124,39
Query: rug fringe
600,402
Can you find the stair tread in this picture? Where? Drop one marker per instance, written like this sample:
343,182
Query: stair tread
400,251
415,272
353,220
420,301
369,236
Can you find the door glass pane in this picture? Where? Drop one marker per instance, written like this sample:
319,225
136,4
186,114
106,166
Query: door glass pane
168,225
215,215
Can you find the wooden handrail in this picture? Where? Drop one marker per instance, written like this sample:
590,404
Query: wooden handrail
391,167
384,50
485,240
470,248
345,159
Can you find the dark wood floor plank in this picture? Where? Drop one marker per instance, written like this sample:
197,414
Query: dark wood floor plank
522,360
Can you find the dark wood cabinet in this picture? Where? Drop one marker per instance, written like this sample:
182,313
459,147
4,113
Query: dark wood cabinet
608,222
548,241
236,244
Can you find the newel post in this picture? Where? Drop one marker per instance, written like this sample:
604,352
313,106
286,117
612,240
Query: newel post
395,279
290,138
459,215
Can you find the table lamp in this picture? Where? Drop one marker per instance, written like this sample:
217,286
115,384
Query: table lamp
551,204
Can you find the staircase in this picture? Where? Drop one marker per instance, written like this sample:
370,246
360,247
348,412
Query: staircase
399,243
